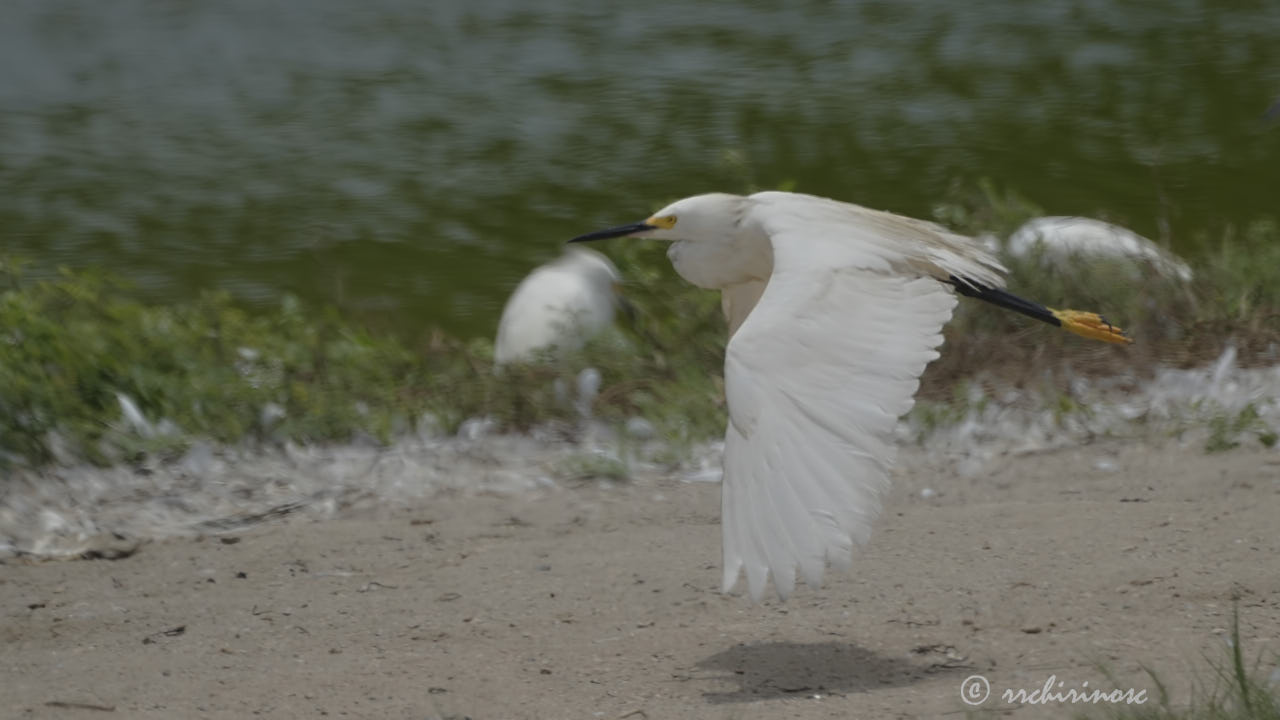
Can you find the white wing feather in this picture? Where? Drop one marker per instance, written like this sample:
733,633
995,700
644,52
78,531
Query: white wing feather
818,375
837,234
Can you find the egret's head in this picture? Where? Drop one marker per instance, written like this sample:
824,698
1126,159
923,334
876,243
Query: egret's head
694,218
599,273
592,268
591,265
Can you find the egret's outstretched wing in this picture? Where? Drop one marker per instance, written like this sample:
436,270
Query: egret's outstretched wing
837,234
816,379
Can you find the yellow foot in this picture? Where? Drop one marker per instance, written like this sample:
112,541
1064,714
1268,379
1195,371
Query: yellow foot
1091,325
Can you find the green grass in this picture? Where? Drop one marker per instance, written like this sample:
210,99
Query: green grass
1227,431
1234,297
592,466
1236,689
71,345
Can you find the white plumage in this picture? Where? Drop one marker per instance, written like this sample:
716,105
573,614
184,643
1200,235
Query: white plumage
1061,239
559,305
834,311
818,375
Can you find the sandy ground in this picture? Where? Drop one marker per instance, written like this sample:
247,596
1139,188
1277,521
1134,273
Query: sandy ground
594,602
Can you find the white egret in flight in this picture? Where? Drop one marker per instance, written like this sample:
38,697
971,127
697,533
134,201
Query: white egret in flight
560,304
834,310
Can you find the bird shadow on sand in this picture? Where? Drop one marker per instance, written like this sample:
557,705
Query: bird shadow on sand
786,669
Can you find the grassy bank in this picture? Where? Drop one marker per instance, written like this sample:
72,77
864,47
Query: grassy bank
1234,297
89,373
78,353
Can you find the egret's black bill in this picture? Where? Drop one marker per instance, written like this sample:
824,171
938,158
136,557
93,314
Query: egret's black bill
614,232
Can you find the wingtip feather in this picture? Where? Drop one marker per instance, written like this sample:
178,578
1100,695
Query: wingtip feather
732,571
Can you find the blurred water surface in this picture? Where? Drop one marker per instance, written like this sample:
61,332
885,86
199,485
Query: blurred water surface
408,161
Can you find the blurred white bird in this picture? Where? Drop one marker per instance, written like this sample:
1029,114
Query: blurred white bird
834,310
1064,238
560,304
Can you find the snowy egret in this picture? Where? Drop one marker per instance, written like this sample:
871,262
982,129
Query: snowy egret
834,310
1063,238
560,304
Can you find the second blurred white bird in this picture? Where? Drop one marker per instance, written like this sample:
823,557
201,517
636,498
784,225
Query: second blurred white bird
1061,239
834,310
559,305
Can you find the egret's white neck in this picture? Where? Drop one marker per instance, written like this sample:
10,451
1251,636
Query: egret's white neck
737,302
740,254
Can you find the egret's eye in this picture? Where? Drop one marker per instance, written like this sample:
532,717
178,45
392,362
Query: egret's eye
665,222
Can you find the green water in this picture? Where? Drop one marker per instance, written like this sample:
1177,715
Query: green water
408,161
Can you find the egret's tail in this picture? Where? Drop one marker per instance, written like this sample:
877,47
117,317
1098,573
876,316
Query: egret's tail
1086,324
